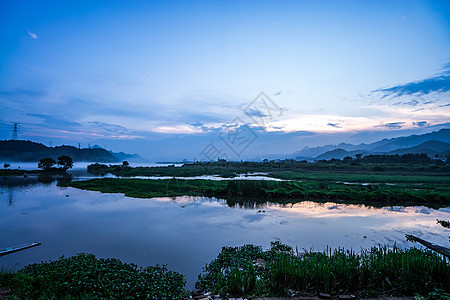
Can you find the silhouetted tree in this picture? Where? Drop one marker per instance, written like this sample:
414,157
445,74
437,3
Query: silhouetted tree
6,165
46,163
125,164
65,162
347,159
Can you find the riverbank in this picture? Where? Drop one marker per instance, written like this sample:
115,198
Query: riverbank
273,191
246,271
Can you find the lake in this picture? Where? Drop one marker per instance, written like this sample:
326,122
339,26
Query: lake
187,232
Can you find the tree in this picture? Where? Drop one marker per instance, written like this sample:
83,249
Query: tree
6,165
65,162
347,160
125,164
46,163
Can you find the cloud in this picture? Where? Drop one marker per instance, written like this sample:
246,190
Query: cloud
20,92
335,125
255,113
420,123
395,125
196,124
322,123
53,126
414,103
177,129
32,35
440,84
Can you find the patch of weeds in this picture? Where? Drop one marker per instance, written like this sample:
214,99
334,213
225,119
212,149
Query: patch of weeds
85,276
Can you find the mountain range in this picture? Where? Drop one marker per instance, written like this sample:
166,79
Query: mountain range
28,151
433,143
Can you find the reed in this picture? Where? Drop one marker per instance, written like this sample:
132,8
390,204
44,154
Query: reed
369,272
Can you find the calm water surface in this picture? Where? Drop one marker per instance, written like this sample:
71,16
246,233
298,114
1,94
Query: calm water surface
187,232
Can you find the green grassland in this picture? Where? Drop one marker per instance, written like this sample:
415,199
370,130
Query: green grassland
410,179
273,191
290,169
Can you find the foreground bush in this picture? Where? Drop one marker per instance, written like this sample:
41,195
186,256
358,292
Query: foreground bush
380,269
84,276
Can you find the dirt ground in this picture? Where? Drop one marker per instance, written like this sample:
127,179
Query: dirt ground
333,298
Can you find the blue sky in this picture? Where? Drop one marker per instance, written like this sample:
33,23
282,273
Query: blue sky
164,79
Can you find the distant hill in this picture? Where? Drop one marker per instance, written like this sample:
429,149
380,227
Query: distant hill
432,148
134,158
387,145
27,151
400,145
310,152
339,154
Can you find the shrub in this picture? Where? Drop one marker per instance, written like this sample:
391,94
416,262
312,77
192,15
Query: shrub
85,276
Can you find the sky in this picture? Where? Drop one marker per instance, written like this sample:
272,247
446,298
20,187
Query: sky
173,80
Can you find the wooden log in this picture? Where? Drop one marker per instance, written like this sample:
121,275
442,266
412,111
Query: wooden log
439,249
13,249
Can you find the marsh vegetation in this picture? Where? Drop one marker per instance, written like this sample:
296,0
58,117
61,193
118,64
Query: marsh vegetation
247,270
87,277
274,191
372,179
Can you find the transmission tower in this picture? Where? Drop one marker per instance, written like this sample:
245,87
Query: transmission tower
15,131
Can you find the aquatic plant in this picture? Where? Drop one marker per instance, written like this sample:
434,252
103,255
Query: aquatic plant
85,276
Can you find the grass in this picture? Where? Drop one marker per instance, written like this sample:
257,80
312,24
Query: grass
362,178
87,277
288,169
274,191
425,182
368,273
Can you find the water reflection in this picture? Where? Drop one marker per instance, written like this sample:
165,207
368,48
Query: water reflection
251,176
41,179
9,184
187,232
